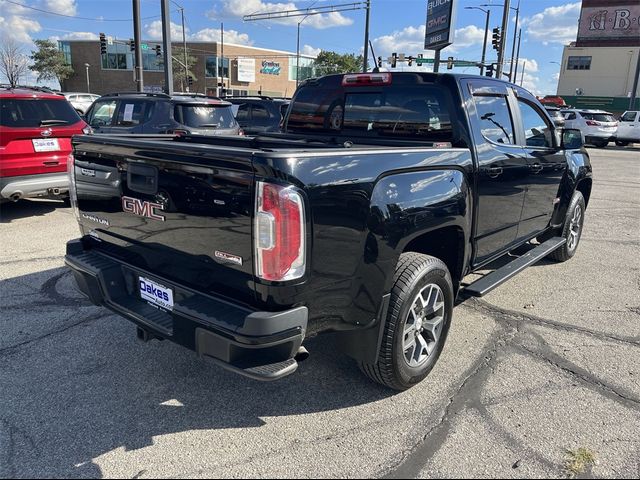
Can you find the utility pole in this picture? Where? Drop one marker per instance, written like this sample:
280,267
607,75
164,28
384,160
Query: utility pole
524,65
222,55
503,32
436,61
515,68
184,48
512,77
138,45
366,36
166,44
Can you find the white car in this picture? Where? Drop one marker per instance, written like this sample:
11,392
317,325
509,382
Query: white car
628,128
597,126
81,101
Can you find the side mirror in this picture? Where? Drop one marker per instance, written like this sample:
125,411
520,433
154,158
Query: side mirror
572,139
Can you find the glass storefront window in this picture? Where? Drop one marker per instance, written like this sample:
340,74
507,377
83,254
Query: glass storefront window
305,71
217,67
120,57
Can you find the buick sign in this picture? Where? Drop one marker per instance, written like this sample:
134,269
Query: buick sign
440,24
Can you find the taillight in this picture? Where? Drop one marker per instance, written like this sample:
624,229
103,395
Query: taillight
73,197
592,123
241,132
87,130
279,232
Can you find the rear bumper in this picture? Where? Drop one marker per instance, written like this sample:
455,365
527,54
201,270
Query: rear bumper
260,345
40,185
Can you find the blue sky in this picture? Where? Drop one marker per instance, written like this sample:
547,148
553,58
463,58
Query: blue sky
396,26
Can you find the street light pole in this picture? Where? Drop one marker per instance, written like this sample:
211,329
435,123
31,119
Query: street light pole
486,34
504,30
86,66
137,45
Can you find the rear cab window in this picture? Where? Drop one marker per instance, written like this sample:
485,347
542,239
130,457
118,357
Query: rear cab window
36,112
408,108
204,115
494,117
629,117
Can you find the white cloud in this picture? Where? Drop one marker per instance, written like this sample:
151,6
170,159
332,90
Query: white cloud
65,7
80,36
240,8
554,24
530,81
20,28
309,50
154,32
410,40
213,35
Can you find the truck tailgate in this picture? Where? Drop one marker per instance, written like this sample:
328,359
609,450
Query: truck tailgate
183,212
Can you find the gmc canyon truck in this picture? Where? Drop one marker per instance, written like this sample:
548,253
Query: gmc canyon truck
362,218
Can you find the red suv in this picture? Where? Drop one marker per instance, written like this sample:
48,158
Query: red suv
35,139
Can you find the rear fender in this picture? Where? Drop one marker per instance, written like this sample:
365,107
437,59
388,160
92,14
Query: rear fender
577,176
404,207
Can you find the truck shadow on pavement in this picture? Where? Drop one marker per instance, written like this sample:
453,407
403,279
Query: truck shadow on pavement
28,208
77,385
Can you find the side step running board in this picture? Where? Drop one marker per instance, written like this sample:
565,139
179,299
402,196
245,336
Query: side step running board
496,278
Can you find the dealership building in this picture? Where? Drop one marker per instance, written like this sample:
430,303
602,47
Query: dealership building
598,69
240,69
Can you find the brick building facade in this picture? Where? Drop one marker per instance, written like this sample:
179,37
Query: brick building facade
243,70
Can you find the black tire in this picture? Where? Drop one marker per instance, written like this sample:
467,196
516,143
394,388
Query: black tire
414,274
621,143
568,250
601,143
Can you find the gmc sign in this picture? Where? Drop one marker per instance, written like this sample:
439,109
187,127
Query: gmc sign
439,31
142,208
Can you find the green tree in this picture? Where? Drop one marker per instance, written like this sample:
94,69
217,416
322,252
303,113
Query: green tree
331,62
178,62
49,62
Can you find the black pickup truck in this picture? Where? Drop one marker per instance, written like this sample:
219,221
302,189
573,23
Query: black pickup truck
362,218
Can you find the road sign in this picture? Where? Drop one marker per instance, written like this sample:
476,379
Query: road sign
440,24
144,46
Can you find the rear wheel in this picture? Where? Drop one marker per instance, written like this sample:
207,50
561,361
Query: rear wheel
572,229
621,143
600,143
418,320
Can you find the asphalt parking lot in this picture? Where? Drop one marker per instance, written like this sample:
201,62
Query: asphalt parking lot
547,364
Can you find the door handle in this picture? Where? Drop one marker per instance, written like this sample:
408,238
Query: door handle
536,168
493,172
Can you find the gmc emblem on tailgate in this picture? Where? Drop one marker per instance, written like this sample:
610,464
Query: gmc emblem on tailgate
142,208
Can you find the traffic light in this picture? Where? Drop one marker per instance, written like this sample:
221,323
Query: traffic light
394,60
449,63
190,80
379,62
410,60
132,45
497,38
489,71
158,50
103,43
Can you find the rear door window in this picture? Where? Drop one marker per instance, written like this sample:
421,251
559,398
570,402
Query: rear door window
495,119
102,113
30,113
132,112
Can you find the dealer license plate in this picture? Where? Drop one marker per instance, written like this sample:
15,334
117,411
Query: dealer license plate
155,293
46,144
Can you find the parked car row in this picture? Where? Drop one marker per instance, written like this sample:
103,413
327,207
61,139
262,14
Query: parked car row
36,126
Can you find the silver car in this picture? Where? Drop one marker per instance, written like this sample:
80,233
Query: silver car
81,101
598,127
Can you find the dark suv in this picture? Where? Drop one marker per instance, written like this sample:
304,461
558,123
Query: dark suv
160,113
258,115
